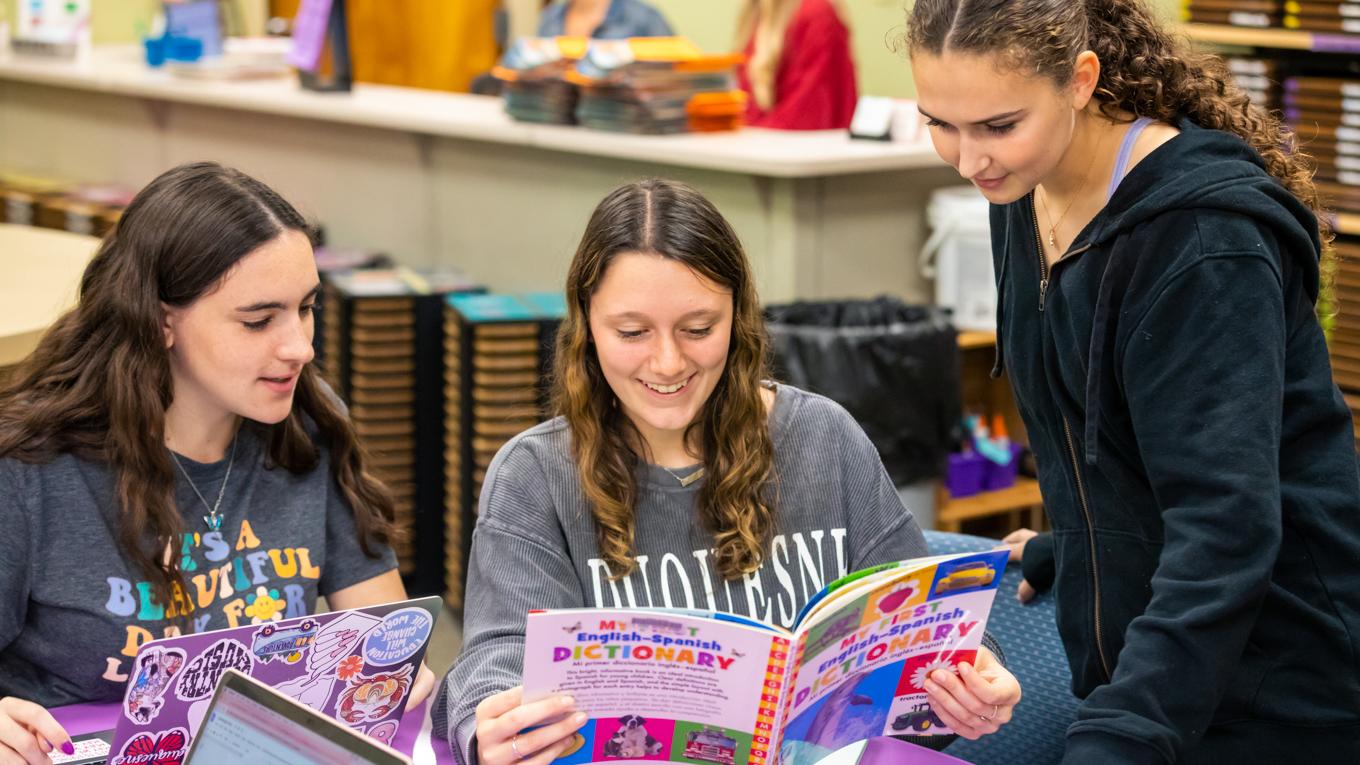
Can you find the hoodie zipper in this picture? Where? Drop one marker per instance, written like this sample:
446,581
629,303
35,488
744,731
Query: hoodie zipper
1044,276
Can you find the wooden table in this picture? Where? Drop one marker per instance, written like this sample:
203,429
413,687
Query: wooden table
40,272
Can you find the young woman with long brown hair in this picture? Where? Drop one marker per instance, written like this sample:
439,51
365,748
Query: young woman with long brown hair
676,475
169,461
1157,251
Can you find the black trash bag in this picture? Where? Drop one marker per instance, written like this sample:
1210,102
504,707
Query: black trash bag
893,366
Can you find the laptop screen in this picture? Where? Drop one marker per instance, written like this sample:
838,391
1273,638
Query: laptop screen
248,723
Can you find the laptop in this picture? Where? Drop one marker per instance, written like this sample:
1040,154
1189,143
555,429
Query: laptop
356,666
250,722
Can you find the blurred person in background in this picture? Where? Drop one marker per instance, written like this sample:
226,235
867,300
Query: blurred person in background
603,19
799,72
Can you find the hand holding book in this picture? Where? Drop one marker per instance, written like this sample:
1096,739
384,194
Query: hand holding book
502,716
977,701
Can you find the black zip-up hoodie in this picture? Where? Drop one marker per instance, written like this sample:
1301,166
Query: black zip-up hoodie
1197,462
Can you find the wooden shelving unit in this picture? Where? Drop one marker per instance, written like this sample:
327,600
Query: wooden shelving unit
1021,502
1222,34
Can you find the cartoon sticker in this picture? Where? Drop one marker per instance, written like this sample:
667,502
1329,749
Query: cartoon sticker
151,677
400,636
369,698
336,640
286,644
200,676
384,731
163,748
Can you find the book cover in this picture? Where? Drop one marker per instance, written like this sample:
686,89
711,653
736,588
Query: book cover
665,685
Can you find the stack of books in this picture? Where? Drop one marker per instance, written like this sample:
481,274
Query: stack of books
1345,336
1322,15
1260,78
655,85
533,73
497,357
91,209
1324,112
381,335
1260,14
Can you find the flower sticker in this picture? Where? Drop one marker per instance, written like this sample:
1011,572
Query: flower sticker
918,678
349,667
264,606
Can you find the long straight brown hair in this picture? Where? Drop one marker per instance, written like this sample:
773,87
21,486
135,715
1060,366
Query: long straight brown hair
99,383
673,221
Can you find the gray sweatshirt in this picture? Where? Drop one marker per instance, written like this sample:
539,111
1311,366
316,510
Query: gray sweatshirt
534,545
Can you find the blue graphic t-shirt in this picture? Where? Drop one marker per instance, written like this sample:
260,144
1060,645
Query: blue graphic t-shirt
73,612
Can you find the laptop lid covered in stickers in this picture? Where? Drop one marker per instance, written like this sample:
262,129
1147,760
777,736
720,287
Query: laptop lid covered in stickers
250,722
356,666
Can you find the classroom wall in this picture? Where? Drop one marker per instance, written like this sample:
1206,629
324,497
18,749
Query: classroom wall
874,25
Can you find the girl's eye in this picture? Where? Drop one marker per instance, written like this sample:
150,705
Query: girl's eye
256,326
700,332
932,122
309,308
1000,129
630,334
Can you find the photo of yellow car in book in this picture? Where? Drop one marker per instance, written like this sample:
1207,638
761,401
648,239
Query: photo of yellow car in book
674,685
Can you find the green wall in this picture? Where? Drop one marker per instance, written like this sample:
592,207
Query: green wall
874,24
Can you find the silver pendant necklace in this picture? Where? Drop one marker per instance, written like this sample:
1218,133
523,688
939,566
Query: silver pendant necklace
685,480
212,519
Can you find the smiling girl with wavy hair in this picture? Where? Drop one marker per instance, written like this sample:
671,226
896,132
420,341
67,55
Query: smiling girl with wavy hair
676,475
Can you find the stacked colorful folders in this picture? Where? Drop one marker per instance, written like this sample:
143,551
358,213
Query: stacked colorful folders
1323,15
656,85
1260,14
1345,339
497,350
384,355
1325,114
533,72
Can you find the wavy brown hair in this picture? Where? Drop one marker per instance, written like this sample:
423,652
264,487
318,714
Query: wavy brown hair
731,433
98,384
1145,70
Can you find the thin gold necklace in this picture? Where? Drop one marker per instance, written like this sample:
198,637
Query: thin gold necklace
1043,200
685,480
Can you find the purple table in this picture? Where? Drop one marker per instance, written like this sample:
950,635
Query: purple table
413,737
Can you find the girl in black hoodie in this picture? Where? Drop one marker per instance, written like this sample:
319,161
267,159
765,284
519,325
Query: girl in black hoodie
1157,257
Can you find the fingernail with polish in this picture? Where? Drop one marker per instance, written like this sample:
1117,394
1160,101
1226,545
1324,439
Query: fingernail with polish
68,748
568,701
579,719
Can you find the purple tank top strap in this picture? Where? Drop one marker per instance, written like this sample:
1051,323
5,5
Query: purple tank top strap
1125,149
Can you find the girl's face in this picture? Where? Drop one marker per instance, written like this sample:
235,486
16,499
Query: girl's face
1001,129
661,334
239,349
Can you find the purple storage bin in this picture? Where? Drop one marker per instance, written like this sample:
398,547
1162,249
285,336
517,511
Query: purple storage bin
964,477
996,476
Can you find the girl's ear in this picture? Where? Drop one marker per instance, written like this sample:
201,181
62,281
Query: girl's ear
1085,77
169,317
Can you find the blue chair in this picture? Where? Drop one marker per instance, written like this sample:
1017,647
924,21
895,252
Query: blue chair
1028,634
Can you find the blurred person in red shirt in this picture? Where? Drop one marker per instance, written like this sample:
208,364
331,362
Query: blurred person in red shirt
799,73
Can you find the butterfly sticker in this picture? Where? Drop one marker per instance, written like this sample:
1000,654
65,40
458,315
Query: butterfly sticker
165,748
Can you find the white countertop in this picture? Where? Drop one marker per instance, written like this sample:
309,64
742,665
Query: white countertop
42,270
781,154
